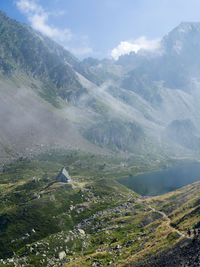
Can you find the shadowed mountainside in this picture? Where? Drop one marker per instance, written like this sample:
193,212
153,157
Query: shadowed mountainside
50,98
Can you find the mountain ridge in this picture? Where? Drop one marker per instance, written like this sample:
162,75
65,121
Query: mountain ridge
101,120
92,93
37,55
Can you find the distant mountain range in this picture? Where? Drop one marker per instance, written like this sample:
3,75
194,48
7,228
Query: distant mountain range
137,104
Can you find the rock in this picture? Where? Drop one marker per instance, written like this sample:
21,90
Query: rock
114,240
129,243
62,255
71,207
117,247
67,239
52,198
81,232
36,196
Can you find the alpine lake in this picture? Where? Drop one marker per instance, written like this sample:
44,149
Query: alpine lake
164,181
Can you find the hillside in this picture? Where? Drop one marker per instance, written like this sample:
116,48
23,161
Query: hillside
51,99
144,228
91,219
25,50
34,206
103,120
101,106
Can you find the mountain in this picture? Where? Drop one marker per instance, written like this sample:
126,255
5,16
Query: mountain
168,80
100,120
93,105
176,64
37,77
23,49
184,133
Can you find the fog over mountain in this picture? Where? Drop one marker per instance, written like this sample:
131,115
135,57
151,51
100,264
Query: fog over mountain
120,132
136,104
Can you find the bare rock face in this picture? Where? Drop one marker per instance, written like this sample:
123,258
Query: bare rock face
63,176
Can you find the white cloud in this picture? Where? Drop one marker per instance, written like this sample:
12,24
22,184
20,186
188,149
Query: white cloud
141,43
38,18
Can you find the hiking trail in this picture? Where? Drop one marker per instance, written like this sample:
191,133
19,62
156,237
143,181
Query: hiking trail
167,219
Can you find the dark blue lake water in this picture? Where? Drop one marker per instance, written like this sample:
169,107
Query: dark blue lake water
164,181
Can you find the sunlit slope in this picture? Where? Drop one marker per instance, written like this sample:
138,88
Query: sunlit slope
181,206
181,212
134,233
34,206
92,219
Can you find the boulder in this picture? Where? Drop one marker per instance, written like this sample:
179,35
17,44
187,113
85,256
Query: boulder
62,255
81,232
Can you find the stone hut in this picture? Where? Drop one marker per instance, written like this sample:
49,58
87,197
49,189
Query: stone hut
63,176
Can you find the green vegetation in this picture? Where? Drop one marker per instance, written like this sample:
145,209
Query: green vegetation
30,198
92,219
182,206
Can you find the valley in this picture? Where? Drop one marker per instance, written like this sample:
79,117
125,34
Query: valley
128,133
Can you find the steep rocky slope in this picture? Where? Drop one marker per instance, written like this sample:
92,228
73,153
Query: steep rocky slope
23,49
107,105
185,253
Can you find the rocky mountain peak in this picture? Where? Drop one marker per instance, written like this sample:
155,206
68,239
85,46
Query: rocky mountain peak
185,27
184,38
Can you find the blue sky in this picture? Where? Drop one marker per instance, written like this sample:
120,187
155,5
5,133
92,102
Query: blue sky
101,28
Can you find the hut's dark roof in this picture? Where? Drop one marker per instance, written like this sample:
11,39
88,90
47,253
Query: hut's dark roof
63,176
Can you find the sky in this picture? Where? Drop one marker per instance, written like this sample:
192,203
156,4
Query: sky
103,28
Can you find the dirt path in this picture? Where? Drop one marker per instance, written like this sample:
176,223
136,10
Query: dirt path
168,220
126,205
164,215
